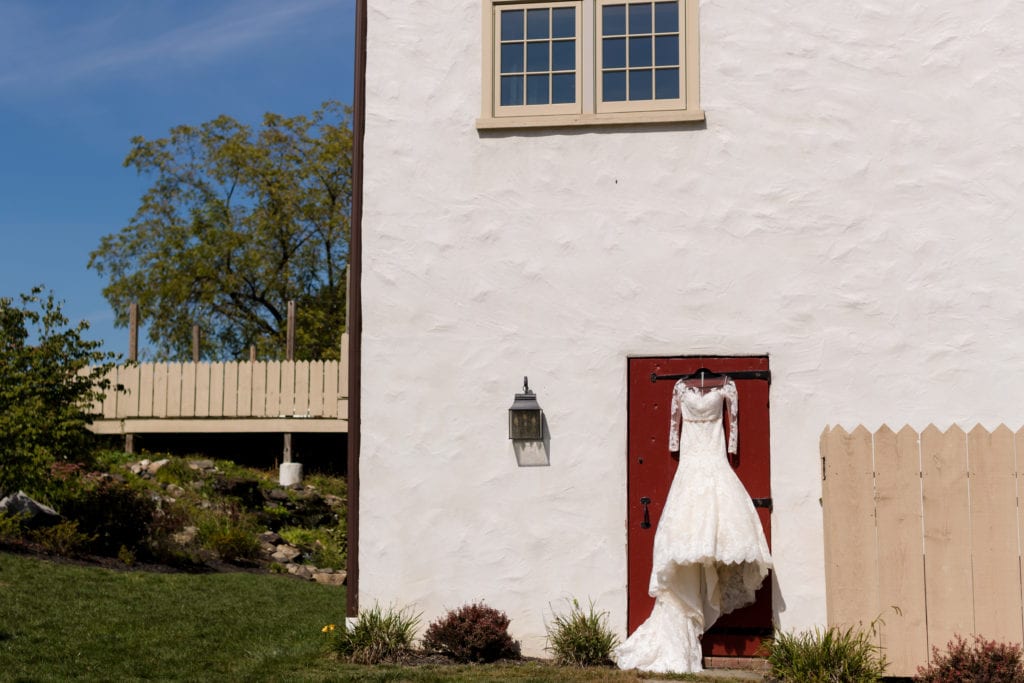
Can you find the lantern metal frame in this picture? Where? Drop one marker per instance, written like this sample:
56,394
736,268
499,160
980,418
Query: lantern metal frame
525,416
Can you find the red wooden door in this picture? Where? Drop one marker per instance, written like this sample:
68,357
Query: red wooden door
650,473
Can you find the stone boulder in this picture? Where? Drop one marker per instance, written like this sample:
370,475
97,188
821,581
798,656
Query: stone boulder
329,578
286,553
36,514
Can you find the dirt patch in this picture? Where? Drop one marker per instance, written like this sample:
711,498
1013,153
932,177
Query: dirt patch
425,658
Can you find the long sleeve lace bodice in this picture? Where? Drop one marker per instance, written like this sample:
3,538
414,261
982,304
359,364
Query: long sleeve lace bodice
703,404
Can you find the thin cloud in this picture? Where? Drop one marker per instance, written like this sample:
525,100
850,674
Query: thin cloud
40,56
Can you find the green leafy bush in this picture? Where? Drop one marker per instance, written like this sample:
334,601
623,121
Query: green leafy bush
230,534
581,638
177,472
983,661
472,633
327,485
63,538
113,513
377,636
11,527
825,656
112,460
322,546
49,375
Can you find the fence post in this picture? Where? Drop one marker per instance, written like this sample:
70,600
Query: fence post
133,356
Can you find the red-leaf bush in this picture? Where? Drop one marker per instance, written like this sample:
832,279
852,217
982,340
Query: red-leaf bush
472,633
984,661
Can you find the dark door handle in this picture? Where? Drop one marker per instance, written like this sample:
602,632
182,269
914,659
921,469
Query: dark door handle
646,523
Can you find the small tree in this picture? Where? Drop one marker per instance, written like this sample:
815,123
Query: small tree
49,374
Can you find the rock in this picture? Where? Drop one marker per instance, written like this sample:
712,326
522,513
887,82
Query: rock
154,467
268,548
299,570
247,491
36,514
136,467
271,537
175,490
201,464
286,553
277,494
185,536
330,579
334,501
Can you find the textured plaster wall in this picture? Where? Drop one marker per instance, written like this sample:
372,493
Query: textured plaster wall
852,208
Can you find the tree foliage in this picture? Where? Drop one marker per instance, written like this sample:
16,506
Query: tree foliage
236,223
49,374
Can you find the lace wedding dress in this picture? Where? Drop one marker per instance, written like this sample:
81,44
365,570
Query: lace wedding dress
710,554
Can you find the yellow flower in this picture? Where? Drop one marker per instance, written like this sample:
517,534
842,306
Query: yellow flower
325,629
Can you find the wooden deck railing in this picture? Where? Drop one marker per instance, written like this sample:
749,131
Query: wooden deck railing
261,396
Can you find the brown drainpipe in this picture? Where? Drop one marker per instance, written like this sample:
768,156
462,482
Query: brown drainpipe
355,312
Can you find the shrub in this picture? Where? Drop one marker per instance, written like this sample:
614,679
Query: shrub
825,656
472,633
377,636
176,472
114,514
984,661
230,534
49,374
63,538
581,638
322,546
11,526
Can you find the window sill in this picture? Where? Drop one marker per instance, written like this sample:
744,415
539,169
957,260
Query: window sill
571,120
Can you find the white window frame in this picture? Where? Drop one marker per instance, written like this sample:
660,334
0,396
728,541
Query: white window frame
588,108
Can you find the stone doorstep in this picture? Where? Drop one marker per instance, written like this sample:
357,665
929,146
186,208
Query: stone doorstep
745,668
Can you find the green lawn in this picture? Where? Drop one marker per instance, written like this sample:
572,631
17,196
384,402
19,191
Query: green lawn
60,622
63,621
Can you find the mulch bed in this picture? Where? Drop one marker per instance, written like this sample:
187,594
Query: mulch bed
425,658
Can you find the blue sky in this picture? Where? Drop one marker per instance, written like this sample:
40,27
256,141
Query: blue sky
79,78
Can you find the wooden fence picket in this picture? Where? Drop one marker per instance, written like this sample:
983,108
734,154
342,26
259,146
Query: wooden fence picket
851,551
146,388
266,390
947,534
904,630
997,612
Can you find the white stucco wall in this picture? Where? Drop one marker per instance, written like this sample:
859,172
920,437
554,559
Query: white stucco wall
852,208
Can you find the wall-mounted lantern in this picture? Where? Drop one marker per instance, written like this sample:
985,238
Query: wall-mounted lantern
525,418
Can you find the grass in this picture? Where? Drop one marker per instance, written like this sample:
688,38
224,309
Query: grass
826,655
69,622
581,638
61,622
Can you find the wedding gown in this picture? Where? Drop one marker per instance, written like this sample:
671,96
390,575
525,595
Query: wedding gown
710,554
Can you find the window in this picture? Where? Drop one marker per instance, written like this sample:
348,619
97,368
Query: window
537,57
584,62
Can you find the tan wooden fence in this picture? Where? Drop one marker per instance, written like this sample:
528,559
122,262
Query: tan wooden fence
923,530
300,396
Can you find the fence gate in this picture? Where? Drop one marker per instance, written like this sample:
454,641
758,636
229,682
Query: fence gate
922,536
